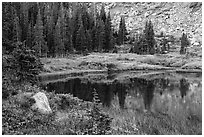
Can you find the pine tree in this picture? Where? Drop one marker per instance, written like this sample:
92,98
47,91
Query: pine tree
88,41
39,43
58,39
49,28
80,37
184,43
61,17
68,33
8,25
24,19
76,24
149,38
101,35
29,39
86,17
94,38
122,31
108,34
16,29
103,13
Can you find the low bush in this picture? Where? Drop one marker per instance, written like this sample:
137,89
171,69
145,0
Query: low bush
70,116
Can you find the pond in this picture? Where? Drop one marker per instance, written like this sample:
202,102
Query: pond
159,92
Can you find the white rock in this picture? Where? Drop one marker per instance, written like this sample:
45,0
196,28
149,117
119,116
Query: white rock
196,44
42,104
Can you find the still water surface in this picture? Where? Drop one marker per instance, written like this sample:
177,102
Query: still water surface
170,93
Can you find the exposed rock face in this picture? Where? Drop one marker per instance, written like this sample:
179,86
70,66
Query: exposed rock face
174,17
42,104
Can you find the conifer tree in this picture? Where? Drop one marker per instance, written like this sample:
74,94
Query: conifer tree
29,39
184,43
16,29
88,41
39,43
149,38
122,31
68,33
86,17
49,28
108,34
103,13
80,37
94,38
101,35
8,26
76,22
58,39
24,19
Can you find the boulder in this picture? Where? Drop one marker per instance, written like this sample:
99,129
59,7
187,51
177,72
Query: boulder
41,103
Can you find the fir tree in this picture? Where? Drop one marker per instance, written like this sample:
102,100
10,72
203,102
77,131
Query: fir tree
58,39
101,35
184,43
24,19
103,13
94,38
122,31
88,41
149,38
8,26
16,29
68,33
108,34
76,22
80,37
40,45
49,27
29,39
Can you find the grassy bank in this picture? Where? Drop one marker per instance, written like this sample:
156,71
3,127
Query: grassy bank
121,62
138,122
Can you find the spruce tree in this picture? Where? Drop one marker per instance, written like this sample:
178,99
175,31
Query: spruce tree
149,38
184,43
80,37
29,39
24,19
16,29
9,26
94,37
76,24
122,31
101,35
103,13
108,34
58,39
68,33
49,28
88,41
39,43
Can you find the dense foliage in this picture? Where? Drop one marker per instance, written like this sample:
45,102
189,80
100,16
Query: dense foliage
70,116
22,66
145,43
55,29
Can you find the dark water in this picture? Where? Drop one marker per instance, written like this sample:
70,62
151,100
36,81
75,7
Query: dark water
172,93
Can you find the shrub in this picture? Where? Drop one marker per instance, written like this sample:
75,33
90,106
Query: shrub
27,65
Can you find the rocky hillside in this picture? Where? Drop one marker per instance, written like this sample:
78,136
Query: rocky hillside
172,18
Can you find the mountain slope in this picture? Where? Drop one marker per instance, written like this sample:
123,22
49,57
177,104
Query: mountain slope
173,18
